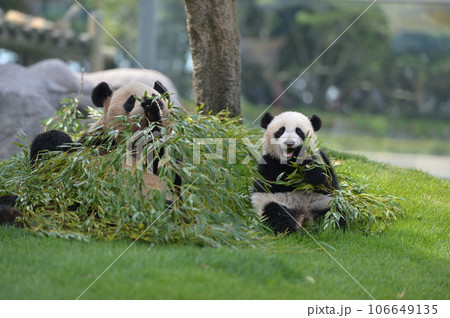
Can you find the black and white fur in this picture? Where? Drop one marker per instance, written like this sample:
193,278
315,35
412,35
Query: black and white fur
128,100
290,138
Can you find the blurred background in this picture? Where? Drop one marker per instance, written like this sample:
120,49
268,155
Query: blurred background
382,90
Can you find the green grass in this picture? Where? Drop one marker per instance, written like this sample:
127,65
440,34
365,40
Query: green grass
411,255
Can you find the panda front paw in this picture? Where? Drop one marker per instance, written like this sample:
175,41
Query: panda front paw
152,109
8,215
315,176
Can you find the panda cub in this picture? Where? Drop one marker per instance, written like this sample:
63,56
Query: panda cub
129,100
290,138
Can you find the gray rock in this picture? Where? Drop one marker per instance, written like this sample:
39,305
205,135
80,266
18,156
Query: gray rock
20,112
30,94
58,81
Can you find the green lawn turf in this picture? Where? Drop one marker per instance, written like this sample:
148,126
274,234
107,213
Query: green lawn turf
410,257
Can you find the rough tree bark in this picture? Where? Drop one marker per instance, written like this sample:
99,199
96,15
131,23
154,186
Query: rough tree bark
214,40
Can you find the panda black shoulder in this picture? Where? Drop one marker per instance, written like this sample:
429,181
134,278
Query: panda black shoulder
52,140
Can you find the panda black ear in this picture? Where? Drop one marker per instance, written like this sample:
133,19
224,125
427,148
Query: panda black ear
266,119
316,122
159,87
100,93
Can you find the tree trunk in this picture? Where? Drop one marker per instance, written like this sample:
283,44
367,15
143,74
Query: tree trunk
214,40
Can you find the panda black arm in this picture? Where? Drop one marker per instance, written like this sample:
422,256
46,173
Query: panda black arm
52,140
152,109
9,200
331,174
270,168
324,176
315,175
8,213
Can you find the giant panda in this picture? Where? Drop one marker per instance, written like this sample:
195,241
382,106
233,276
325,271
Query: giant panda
290,139
128,101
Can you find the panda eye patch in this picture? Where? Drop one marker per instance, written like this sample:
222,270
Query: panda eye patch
279,132
129,104
300,133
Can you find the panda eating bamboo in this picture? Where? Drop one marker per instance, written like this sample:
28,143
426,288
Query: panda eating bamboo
128,101
290,142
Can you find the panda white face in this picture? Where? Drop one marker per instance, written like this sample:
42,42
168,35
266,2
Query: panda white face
129,100
289,133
